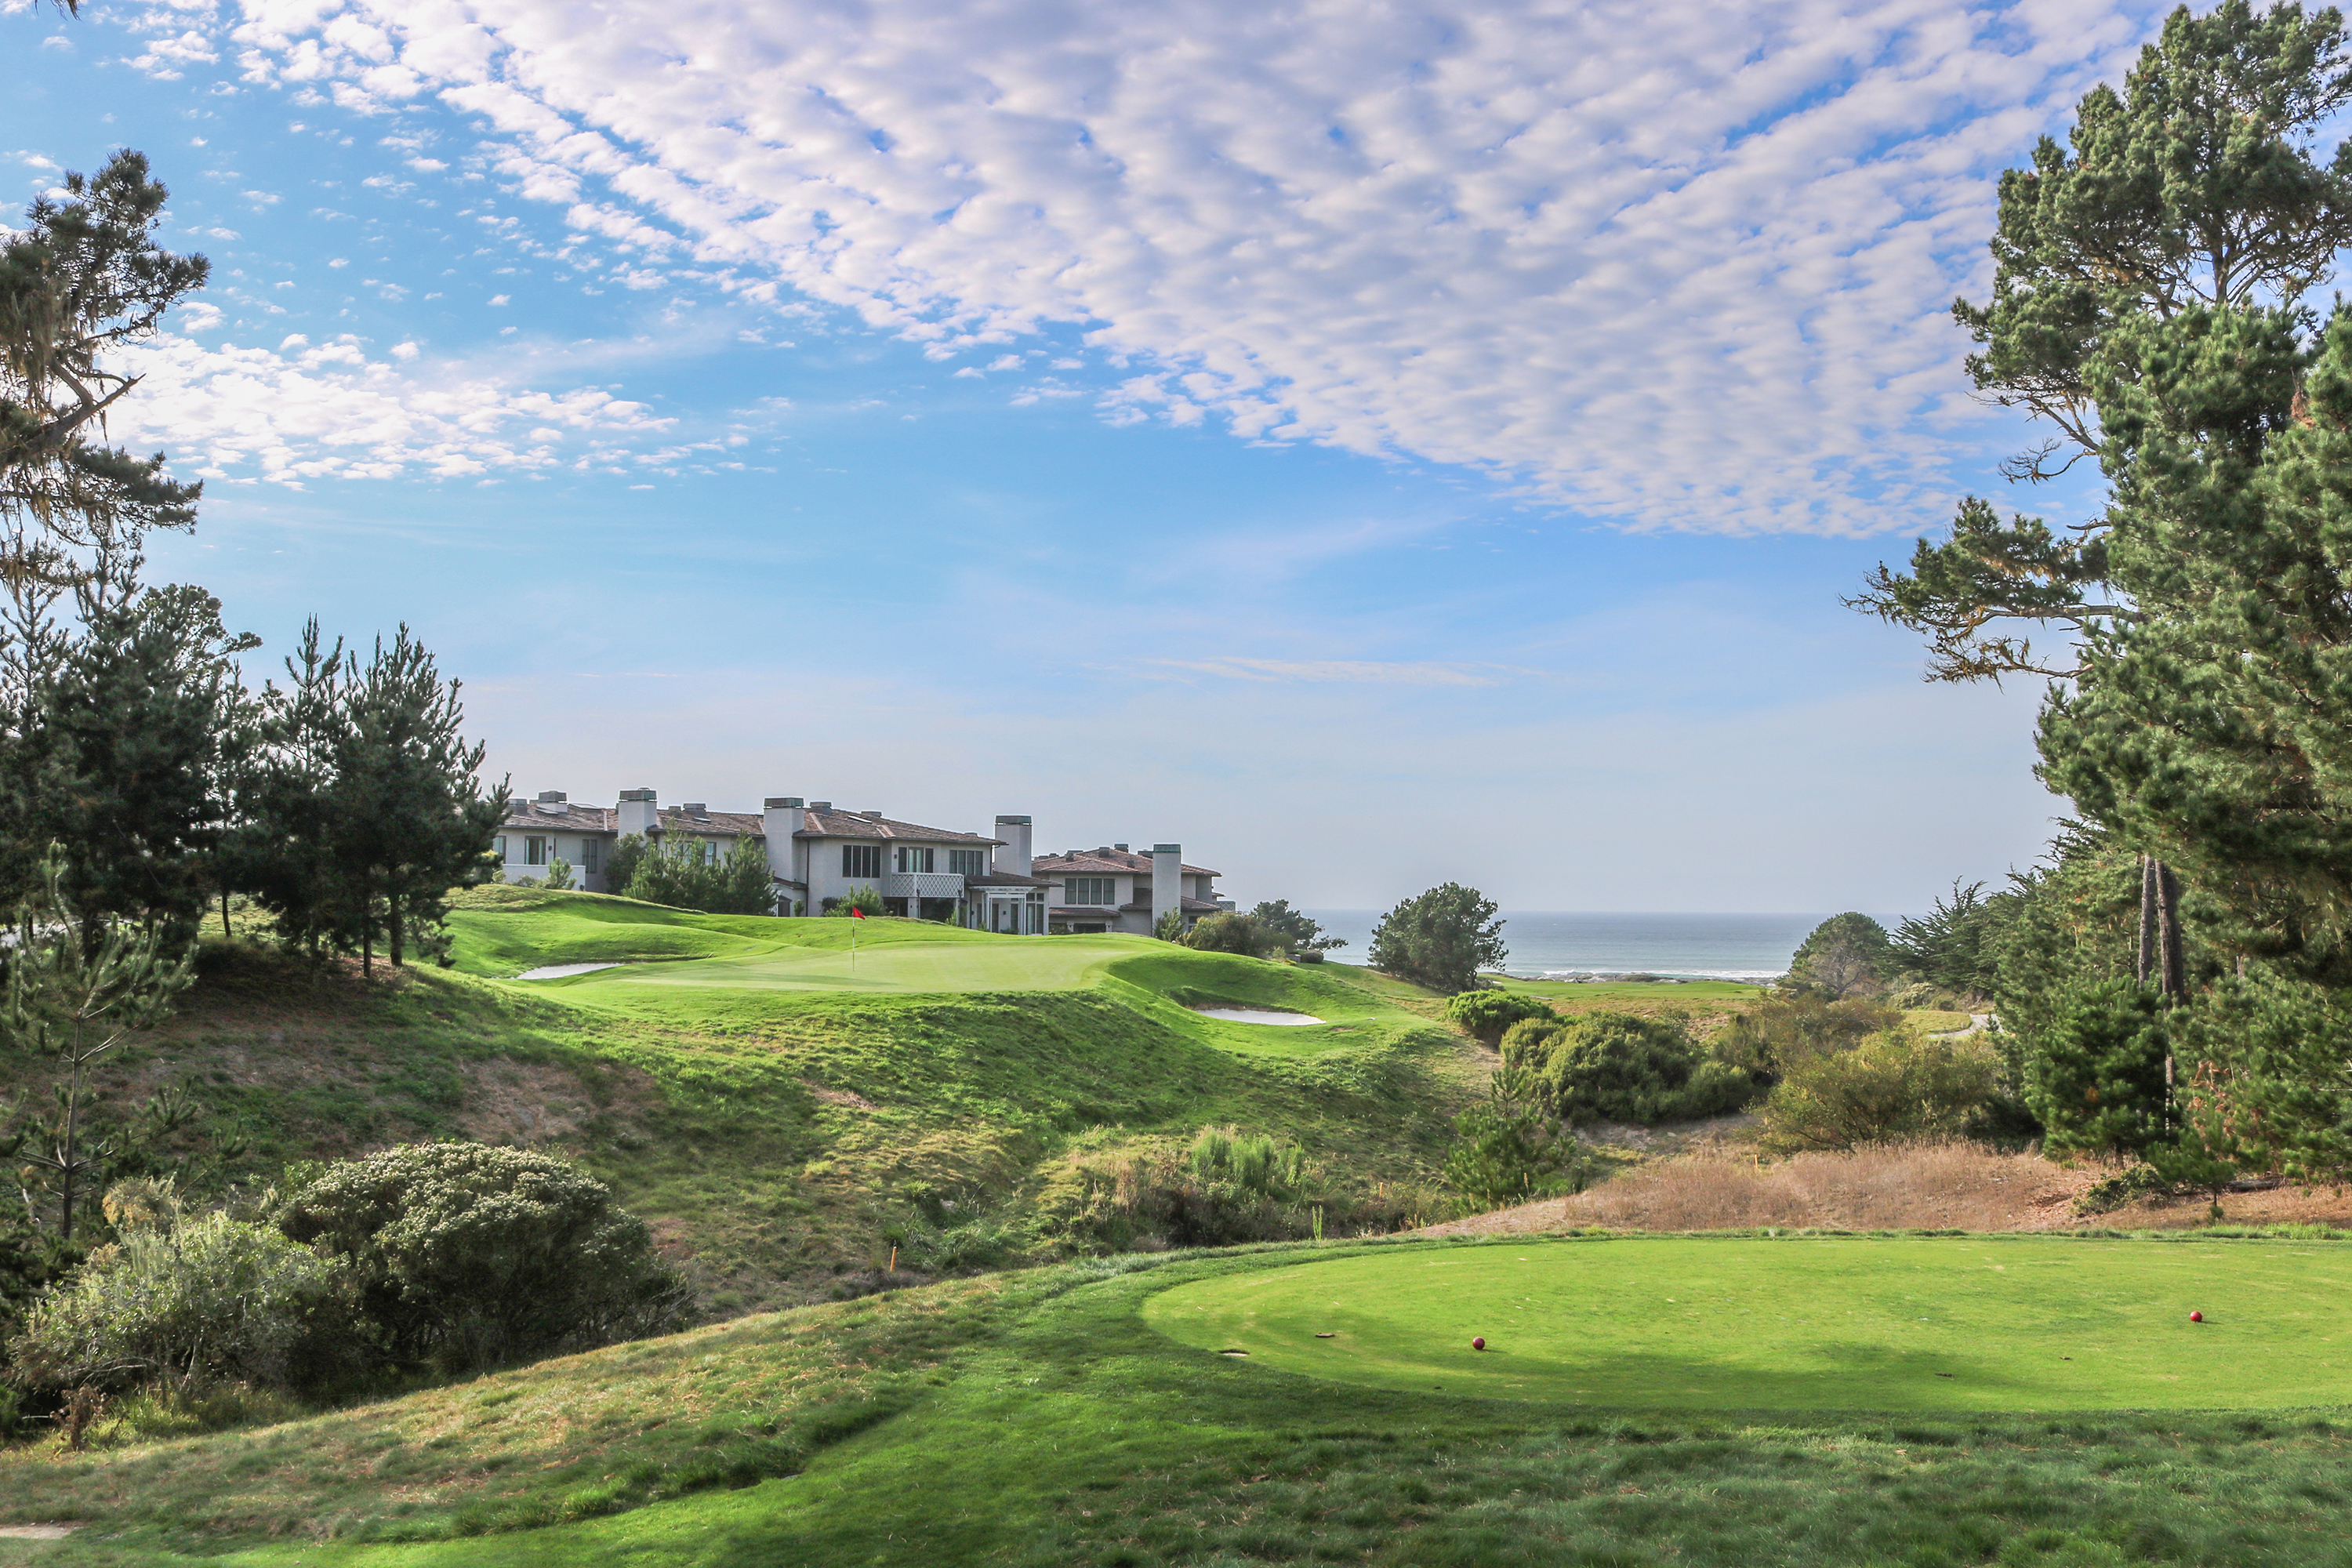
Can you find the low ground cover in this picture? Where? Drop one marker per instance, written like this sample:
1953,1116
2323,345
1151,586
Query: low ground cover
1055,1426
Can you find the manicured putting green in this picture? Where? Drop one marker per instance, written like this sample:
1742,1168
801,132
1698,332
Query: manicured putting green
1013,963
1806,1323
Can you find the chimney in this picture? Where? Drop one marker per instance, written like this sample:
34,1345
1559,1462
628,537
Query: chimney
1014,857
781,817
551,800
1167,881
639,814
697,809
518,805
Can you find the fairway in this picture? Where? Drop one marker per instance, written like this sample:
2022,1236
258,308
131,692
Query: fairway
1007,964
1986,1323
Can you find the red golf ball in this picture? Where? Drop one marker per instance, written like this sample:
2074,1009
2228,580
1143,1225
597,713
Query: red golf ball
1478,1344
2196,1317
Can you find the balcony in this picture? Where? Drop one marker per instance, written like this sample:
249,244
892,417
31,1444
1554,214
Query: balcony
922,885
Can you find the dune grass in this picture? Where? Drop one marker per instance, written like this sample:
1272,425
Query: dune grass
1054,1424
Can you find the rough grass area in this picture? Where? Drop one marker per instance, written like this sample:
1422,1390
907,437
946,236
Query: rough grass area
1936,1186
1064,1430
783,1140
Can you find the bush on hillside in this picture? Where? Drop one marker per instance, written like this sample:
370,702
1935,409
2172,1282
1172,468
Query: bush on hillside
1508,1150
1892,1085
466,1255
867,899
190,1303
1297,932
1614,1066
1779,1030
1439,939
1243,934
1484,1015
686,874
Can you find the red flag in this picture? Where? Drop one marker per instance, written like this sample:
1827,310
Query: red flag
856,913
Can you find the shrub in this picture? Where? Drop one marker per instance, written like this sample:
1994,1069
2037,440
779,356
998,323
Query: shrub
1486,1014
1507,1151
1615,1067
1439,939
2095,1071
686,874
1243,934
206,1300
467,1256
1892,1085
559,876
1782,1029
868,899
1296,930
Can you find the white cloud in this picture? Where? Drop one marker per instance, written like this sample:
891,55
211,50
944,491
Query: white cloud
308,411
1684,264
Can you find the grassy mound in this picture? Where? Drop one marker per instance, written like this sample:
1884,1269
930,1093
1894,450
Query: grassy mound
784,1137
2008,1323
1040,1420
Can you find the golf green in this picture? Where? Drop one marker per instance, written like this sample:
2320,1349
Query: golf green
2010,1323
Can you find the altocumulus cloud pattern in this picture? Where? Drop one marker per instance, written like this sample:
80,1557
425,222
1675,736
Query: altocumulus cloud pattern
1675,263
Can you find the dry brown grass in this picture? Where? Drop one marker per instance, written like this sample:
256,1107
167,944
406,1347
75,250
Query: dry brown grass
1936,1186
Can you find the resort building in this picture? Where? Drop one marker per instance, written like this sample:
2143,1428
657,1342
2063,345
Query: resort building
817,856
1113,888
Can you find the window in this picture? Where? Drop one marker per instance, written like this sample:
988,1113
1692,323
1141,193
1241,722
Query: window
591,854
913,858
967,862
1090,891
535,851
861,859
499,846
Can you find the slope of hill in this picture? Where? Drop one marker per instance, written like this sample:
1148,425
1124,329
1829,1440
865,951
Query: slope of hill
961,1099
1040,1419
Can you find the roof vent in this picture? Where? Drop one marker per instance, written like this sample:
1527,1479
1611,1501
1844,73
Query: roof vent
519,803
644,795
874,816
780,803
557,795
820,805
1120,848
697,809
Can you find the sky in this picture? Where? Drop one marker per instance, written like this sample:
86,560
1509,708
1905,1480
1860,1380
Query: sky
1371,444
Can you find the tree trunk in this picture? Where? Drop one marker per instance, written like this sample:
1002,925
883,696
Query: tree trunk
2147,917
68,1161
2169,953
395,931
224,931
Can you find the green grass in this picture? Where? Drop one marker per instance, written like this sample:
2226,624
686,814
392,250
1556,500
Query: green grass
782,1136
1043,1420
1982,1324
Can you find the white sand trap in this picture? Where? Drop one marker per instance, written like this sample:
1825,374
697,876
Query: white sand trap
37,1532
558,971
1255,1016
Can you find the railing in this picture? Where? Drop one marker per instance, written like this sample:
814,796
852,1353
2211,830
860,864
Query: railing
922,885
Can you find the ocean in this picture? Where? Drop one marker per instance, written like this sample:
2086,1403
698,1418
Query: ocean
1550,944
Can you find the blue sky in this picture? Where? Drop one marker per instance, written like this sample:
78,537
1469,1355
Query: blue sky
1368,446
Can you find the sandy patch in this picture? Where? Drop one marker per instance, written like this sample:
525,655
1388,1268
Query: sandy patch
1257,1015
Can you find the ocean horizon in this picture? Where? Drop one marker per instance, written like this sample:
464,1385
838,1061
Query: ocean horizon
1548,944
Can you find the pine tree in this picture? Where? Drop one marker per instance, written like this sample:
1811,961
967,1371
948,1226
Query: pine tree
77,1005
2147,303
